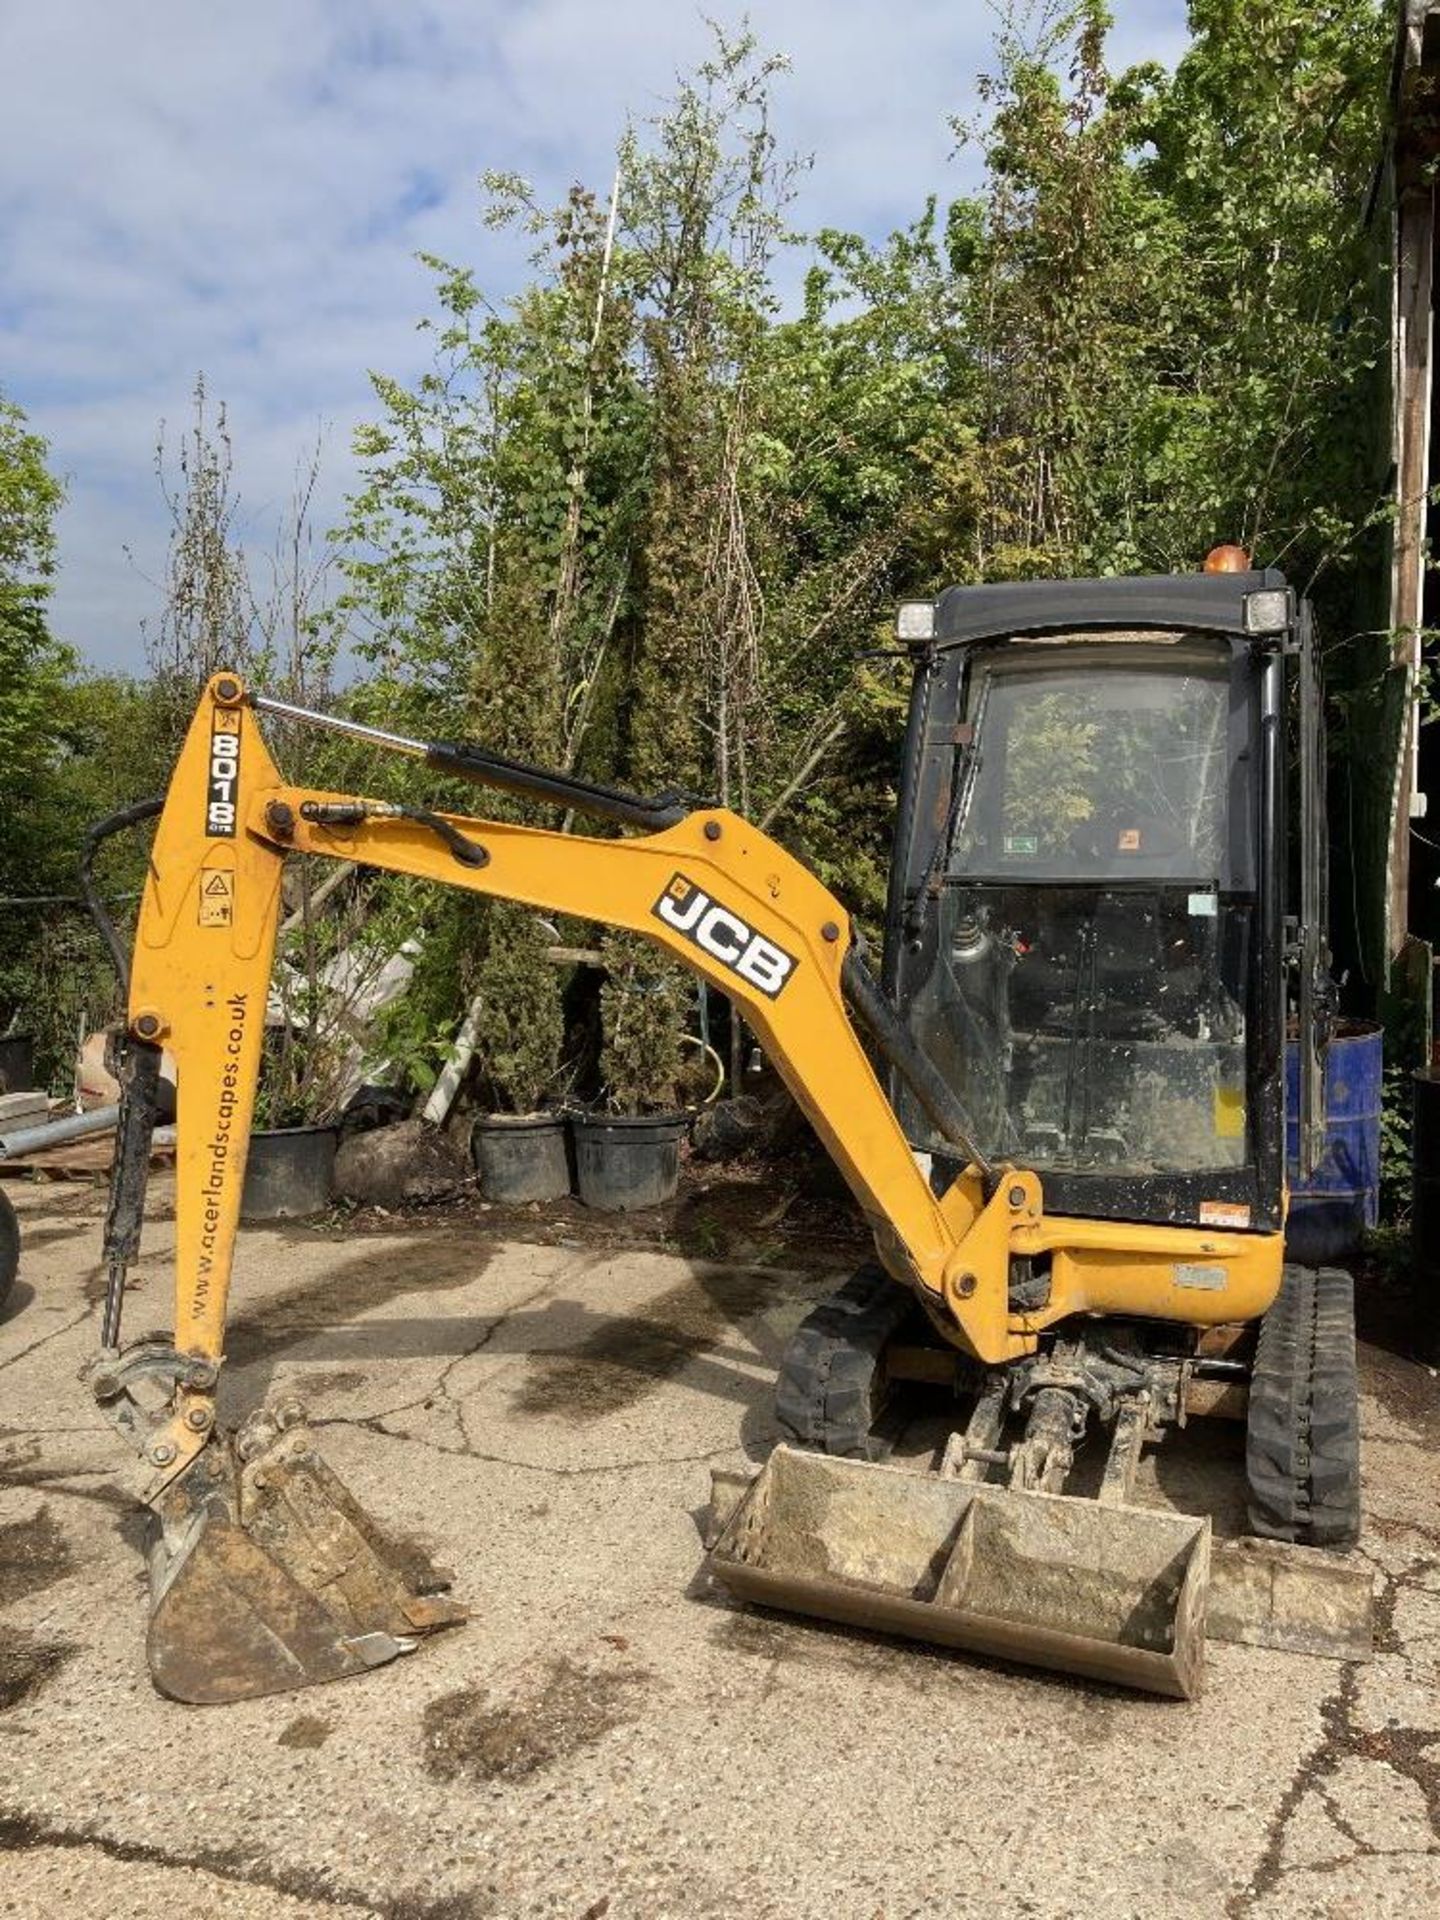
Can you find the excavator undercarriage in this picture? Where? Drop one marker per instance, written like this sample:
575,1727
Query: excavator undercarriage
1060,1112
995,1556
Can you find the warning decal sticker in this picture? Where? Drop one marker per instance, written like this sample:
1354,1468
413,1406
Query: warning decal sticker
217,897
1223,1213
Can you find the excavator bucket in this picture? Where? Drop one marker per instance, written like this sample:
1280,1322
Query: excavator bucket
1114,1593
268,1575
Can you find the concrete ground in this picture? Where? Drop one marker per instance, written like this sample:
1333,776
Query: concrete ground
603,1737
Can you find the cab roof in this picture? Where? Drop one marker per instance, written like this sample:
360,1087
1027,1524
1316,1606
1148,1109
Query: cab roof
1208,600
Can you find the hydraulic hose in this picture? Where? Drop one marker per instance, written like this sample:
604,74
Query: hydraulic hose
95,838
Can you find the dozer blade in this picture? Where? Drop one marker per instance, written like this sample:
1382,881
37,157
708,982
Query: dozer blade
1300,1599
1113,1593
268,1575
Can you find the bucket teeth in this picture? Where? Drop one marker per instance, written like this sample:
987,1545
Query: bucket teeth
268,1575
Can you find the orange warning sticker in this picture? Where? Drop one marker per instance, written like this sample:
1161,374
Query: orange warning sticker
217,896
1223,1213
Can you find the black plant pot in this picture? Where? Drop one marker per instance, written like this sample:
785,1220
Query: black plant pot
626,1161
17,1063
521,1157
290,1173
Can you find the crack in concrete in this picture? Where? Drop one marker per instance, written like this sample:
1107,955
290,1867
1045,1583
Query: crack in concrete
55,1333
343,1297
374,1422
441,1388
1403,1750
20,1832
617,1466
26,1432
370,1423
19,1476
442,1385
1340,1823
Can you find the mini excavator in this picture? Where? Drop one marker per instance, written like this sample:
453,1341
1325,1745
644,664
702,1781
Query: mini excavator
1060,1108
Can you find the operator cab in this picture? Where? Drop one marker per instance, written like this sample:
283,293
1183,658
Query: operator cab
1086,919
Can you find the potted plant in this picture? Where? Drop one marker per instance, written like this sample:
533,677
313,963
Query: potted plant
290,1170
307,1058
17,1063
519,1142
627,1151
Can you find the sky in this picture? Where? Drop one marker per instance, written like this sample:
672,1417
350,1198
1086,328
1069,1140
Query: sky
191,186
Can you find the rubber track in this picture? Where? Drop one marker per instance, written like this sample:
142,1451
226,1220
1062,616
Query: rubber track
9,1248
1302,1448
825,1393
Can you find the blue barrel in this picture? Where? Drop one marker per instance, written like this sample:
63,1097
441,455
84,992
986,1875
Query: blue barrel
1425,1218
1331,1210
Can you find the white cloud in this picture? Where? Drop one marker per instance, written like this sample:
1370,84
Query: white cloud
243,189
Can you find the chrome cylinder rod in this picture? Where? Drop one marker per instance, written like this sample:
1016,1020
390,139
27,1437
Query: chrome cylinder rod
354,729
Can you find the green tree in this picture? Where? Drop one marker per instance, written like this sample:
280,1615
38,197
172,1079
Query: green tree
33,663
642,523
35,823
107,750
643,1007
1167,302
521,1030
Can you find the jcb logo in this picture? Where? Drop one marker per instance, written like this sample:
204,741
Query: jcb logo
224,776
724,936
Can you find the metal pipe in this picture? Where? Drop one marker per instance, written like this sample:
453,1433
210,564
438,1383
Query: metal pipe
76,1126
57,1133
462,1051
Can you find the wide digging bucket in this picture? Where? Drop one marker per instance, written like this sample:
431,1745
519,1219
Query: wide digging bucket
1113,1593
268,1575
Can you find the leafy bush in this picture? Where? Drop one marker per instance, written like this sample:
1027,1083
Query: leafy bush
642,1010
521,1037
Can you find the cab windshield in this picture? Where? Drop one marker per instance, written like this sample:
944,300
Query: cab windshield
1106,762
